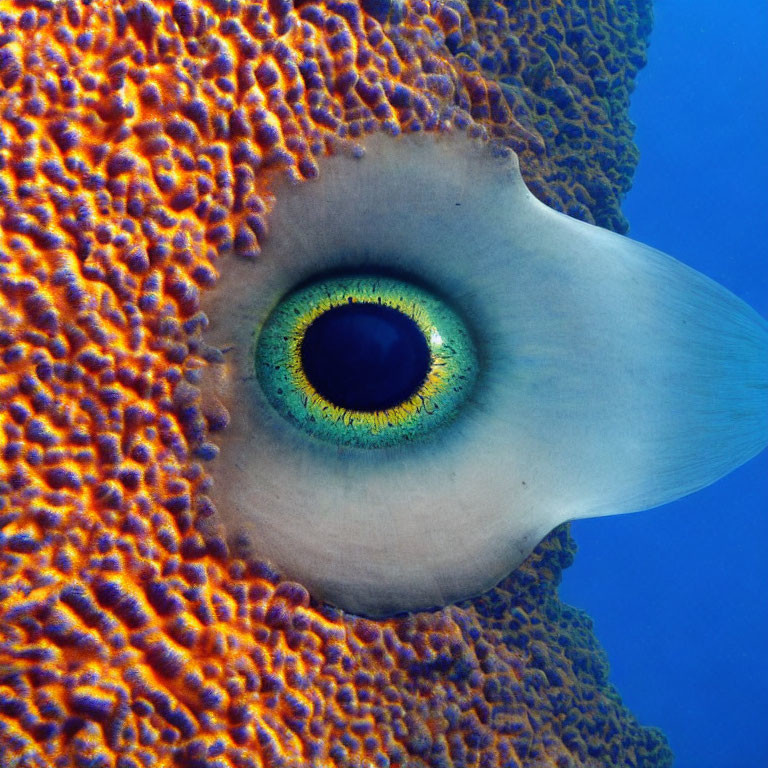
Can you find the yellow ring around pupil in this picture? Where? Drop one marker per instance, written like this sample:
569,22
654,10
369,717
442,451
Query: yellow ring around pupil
451,372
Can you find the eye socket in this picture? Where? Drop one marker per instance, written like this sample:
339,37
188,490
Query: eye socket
610,378
365,361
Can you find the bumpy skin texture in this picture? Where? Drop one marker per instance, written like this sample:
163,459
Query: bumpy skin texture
137,142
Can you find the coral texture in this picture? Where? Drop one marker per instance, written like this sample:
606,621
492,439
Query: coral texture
138,141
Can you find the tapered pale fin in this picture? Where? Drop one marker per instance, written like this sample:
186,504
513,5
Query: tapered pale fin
613,378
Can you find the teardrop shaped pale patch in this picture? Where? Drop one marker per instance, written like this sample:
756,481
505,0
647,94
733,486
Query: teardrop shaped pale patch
613,378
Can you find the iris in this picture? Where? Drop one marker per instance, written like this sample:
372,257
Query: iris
365,361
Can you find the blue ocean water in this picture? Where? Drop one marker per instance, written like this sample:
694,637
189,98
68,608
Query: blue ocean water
679,594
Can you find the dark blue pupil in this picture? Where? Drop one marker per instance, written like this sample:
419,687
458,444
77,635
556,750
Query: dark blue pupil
365,357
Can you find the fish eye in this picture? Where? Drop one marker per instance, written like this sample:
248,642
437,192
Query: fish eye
588,375
365,361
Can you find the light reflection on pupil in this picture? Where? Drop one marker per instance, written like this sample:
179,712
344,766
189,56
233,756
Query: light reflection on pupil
365,357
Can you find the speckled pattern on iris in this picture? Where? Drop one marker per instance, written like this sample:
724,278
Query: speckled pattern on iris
137,142
450,371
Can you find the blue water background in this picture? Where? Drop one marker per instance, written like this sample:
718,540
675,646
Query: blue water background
679,595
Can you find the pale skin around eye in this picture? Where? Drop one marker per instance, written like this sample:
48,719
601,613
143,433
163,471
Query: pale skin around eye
612,379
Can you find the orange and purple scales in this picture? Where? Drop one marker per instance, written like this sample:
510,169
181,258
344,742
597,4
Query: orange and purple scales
139,142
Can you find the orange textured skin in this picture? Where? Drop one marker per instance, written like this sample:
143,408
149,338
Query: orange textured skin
139,141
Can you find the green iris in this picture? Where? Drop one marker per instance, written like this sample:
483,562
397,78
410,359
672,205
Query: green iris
365,361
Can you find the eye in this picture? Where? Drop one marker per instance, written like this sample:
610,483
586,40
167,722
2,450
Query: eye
365,361
592,375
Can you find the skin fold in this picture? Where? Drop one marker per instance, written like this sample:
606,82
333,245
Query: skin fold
139,143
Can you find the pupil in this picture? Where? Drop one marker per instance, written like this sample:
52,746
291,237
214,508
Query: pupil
365,357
